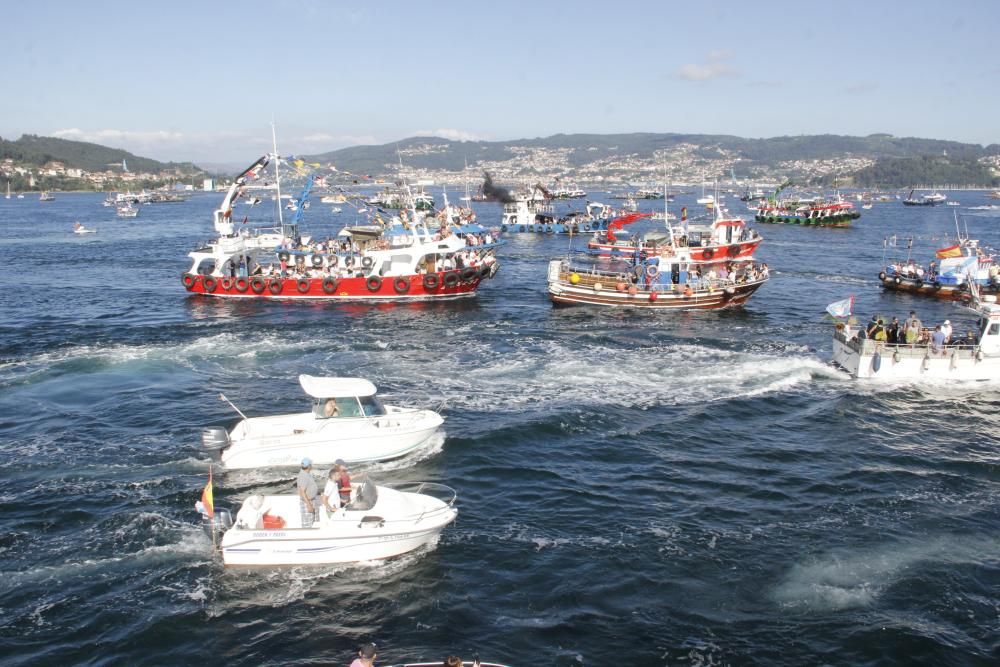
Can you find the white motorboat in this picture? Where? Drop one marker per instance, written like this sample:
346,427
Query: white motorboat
80,229
975,358
346,422
379,522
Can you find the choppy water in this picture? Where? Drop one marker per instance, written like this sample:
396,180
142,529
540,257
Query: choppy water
650,488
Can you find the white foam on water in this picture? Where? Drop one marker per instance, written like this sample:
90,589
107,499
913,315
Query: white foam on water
845,580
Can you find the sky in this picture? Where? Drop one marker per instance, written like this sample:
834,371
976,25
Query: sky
201,81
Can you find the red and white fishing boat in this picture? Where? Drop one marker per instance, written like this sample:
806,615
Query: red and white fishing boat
407,258
726,237
677,277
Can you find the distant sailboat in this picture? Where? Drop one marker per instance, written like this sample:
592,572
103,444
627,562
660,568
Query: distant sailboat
8,189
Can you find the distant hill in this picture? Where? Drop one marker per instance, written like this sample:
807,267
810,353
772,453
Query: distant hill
34,150
583,149
773,157
928,169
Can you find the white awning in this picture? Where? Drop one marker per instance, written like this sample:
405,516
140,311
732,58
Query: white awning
326,387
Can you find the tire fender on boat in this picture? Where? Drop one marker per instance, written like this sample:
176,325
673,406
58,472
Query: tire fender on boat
226,283
897,280
242,284
431,281
210,284
373,283
302,284
317,261
332,260
257,284
708,253
187,279
329,285
881,275
275,286
401,285
284,256
468,273
451,279
367,262
349,261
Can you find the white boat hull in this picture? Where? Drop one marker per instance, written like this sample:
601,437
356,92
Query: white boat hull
398,523
284,440
858,358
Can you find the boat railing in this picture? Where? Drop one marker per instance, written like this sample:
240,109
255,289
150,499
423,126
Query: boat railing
920,349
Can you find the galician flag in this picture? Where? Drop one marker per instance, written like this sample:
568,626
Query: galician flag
842,308
207,504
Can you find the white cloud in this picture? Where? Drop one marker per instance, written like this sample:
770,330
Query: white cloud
715,68
106,137
449,133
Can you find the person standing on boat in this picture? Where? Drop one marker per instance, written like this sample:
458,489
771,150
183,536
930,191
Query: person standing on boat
343,481
308,493
946,330
331,492
892,333
937,340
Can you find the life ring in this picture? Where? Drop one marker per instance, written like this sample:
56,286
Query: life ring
242,284
317,261
349,261
226,283
373,283
431,281
302,284
366,262
401,285
284,256
451,279
734,250
257,284
332,260
652,270
708,253
187,280
329,285
468,273
881,275
209,284
275,286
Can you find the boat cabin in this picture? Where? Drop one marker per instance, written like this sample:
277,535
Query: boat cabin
342,398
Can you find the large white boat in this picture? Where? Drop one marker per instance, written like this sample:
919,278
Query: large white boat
346,422
975,358
380,522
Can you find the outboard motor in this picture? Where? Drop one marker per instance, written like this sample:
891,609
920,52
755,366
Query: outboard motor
217,525
214,438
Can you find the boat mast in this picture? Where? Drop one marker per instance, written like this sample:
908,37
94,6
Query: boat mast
277,176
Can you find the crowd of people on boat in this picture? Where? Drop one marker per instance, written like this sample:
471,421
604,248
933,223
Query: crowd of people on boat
336,494
911,332
368,652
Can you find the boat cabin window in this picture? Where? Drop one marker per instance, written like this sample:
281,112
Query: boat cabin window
205,267
330,408
994,329
371,406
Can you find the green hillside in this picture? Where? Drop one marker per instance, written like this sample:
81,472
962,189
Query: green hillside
34,150
586,148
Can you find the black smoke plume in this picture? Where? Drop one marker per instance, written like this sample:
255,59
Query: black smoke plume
494,192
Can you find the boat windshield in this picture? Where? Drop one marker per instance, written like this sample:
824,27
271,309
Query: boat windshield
365,406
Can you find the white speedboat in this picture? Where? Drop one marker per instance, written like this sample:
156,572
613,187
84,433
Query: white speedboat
80,229
975,358
346,422
379,522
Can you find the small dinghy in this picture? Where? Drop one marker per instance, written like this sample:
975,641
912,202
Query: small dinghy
346,422
379,522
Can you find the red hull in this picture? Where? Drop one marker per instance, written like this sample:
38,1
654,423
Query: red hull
442,285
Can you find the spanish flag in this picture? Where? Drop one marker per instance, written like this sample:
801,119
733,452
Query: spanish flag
950,251
207,502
